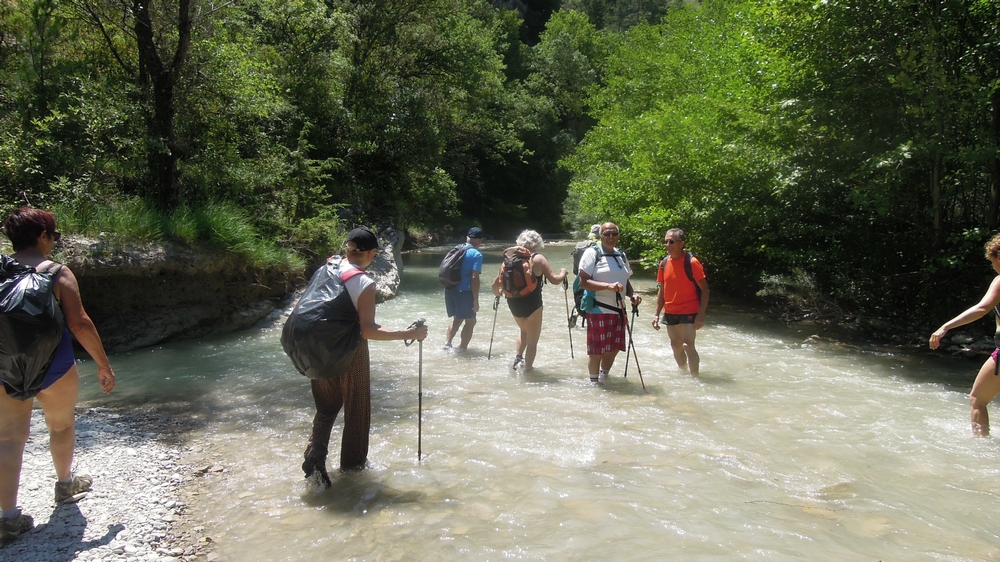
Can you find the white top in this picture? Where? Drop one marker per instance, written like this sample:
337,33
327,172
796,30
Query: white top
357,284
611,267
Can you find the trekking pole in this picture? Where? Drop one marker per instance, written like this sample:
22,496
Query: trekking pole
635,312
420,383
496,304
621,304
569,319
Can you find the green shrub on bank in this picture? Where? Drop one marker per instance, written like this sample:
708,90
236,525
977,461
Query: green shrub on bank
217,224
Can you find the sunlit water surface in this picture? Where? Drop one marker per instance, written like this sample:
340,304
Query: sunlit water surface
780,450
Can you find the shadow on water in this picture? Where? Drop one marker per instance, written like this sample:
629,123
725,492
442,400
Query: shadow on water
629,386
712,377
537,376
359,493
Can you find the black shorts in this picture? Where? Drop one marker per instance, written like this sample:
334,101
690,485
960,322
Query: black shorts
527,305
675,319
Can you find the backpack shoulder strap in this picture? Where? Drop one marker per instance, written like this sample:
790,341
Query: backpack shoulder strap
687,267
52,267
690,273
598,254
350,274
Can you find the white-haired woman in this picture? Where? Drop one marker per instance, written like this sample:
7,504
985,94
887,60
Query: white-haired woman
527,310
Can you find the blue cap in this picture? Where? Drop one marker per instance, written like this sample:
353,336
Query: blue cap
475,232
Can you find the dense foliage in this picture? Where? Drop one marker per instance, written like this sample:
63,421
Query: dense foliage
843,155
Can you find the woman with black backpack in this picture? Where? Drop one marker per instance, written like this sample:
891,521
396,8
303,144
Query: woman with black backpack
348,386
56,384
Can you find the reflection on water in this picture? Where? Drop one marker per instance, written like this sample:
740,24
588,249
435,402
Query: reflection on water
780,450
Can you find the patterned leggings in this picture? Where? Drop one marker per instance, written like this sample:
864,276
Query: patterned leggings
352,390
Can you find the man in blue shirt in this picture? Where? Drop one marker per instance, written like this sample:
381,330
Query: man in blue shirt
462,302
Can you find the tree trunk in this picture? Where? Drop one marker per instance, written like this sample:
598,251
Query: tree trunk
993,212
157,82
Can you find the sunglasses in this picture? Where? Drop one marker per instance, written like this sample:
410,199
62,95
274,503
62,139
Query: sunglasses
610,233
671,241
56,236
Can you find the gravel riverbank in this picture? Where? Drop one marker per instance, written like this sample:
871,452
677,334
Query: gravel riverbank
144,480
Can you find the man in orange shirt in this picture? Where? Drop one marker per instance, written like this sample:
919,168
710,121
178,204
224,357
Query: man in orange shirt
682,295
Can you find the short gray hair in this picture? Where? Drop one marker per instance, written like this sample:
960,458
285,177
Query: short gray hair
678,234
531,240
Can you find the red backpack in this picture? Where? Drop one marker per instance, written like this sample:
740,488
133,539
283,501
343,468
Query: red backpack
516,280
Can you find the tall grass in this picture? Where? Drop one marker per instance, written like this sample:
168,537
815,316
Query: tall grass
216,224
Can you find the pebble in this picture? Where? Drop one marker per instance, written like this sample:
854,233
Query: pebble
136,510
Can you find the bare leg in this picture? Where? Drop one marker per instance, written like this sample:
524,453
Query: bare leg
693,359
531,329
676,333
985,388
594,365
59,404
470,324
607,360
15,422
453,329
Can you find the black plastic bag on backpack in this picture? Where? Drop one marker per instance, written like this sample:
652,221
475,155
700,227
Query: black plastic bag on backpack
31,327
323,331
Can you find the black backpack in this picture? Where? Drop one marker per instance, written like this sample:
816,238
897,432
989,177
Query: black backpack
31,326
578,251
450,271
323,330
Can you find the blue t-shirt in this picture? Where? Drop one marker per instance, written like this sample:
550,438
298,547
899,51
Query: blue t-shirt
473,261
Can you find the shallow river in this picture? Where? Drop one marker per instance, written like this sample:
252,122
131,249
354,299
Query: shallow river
780,450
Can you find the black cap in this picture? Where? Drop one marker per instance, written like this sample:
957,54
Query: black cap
475,232
364,239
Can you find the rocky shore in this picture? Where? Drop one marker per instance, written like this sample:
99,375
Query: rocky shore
144,481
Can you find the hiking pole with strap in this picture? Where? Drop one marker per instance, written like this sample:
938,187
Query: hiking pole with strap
496,304
569,319
420,382
635,312
621,304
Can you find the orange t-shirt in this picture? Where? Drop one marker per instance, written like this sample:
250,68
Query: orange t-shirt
679,295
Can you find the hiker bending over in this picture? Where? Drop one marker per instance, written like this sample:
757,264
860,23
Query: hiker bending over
682,295
525,303
987,383
462,302
605,272
352,388
33,235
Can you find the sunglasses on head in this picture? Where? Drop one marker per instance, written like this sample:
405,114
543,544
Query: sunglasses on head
610,233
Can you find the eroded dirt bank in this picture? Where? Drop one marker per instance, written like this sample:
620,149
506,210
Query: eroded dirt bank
142,295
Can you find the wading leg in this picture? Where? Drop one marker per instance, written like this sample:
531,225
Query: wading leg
985,388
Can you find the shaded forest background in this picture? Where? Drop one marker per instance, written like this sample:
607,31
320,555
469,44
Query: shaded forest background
838,158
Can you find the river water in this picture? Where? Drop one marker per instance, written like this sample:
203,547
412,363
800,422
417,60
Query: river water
783,448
